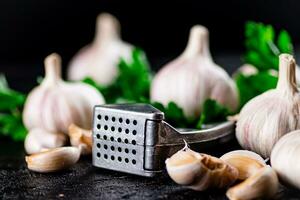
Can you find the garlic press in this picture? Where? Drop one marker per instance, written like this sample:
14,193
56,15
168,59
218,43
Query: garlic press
134,138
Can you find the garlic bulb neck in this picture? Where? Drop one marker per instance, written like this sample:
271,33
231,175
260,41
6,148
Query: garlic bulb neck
198,43
107,29
287,75
53,70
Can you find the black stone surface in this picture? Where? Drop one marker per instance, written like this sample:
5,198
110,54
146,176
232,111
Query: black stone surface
83,181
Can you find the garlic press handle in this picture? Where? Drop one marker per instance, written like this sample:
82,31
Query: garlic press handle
172,136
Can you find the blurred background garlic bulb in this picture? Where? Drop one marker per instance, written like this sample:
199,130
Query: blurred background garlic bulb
55,104
99,60
193,77
267,117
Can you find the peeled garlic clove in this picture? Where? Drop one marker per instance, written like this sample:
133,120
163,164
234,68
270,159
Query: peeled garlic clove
81,137
246,162
100,59
38,139
193,77
267,117
53,160
55,104
199,171
261,185
285,158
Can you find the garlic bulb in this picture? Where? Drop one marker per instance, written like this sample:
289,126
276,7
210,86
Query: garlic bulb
285,158
100,59
53,160
267,117
246,162
193,77
81,138
38,139
200,171
262,184
55,104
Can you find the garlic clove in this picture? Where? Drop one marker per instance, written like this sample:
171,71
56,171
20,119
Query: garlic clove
261,185
246,162
185,80
31,144
55,104
199,171
267,117
100,59
53,160
285,158
38,139
81,137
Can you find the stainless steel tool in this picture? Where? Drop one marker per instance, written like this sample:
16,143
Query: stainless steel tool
134,138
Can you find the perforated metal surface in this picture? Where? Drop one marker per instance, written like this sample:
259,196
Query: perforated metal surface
118,139
134,138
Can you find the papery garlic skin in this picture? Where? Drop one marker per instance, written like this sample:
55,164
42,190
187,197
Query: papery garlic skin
199,171
193,77
100,59
81,138
55,104
269,116
285,159
38,139
53,160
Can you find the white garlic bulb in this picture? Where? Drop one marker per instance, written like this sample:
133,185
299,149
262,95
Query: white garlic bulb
267,117
285,158
55,104
100,59
193,77
38,139
200,171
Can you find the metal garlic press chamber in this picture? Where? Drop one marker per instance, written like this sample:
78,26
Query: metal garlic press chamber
134,138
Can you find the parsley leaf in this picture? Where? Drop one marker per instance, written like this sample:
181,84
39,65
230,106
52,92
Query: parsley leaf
10,112
174,114
212,112
262,49
253,85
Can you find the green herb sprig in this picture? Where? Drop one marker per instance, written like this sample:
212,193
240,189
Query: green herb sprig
262,50
263,47
11,107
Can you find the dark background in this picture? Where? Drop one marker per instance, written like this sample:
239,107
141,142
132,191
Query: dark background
32,29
